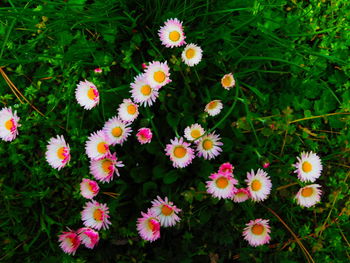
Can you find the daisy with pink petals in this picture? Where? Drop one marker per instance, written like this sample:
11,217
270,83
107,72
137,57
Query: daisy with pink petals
69,242
116,130
157,74
144,135
309,167
259,185
172,33
141,91
257,232
193,132
180,152
88,237
104,168
241,195
226,168
89,188
128,111
95,215
228,81
97,145
309,195
166,211
221,185
57,153
98,70
208,146
214,107
148,226
8,124
87,94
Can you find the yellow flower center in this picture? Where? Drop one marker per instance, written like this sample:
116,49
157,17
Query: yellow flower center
207,145
151,225
166,210
101,148
146,90
60,153
227,81
106,164
222,182
91,94
131,109
159,76
212,105
257,229
98,215
174,36
180,152
306,167
256,185
117,131
190,53
9,124
306,192
195,134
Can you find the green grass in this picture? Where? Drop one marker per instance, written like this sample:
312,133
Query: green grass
291,62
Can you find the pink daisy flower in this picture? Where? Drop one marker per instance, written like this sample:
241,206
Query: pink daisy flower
88,237
228,81
309,167
257,232
8,124
128,111
309,195
104,168
97,145
69,242
148,226
141,91
87,94
180,152
144,135
89,188
98,70
208,146
116,130
259,185
157,74
221,185
166,211
95,215
57,153
172,34
241,195
226,168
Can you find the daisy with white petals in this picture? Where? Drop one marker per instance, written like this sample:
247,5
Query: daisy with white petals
128,111
241,195
141,91
157,74
104,168
87,94
58,152
208,146
228,81
309,195
95,215
257,232
221,185
214,107
89,188
193,132
97,145
116,130
8,124
166,211
180,152
172,33
259,185
191,55
69,242
309,167
88,237
148,226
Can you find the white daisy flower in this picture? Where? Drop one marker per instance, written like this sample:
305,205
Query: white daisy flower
172,34
180,152
58,152
208,146
97,145
166,211
191,55
95,215
116,130
214,107
221,185
128,111
89,188
257,232
309,195
228,81
193,132
87,94
259,185
8,124
104,168
148,226
241,195
141,92
309,167
157,74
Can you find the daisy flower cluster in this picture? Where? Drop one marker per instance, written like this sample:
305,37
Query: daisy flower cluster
308,169
163,213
